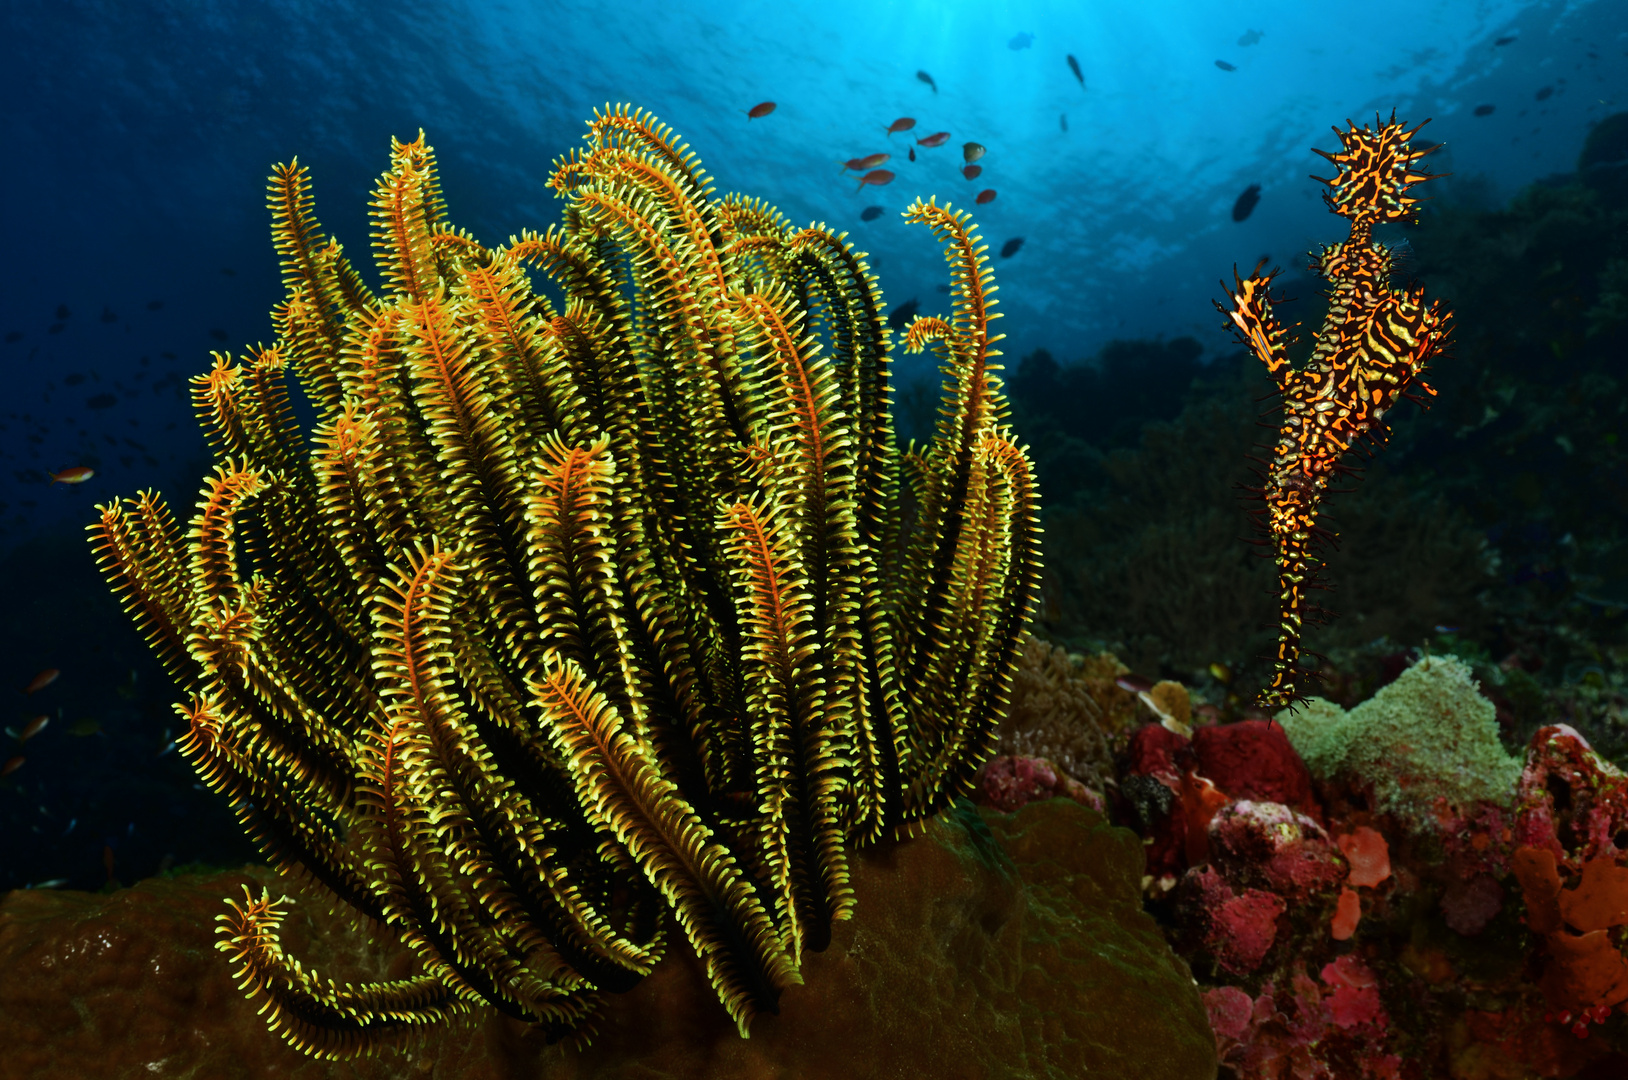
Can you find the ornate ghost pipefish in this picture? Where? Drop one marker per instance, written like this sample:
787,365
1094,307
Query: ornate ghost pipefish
1374,345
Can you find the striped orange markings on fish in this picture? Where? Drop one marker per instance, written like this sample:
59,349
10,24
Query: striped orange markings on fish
760,110
76,474
41,681
875,178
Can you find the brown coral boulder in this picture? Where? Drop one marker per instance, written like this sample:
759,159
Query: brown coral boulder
996,946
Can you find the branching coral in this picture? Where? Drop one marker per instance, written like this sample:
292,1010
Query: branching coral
579,618
1374,345
1068,710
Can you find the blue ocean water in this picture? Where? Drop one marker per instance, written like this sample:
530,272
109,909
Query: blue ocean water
138,137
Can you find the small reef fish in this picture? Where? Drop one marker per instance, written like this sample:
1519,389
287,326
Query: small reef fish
76,474
987,195
1506,41
870,213
972,151
972,172
869,161
1062,122
1220,672
1543,93
903,123
937,138
928,79
1443,629
1074,66
51,883
1246,202
155,305
900,316
1021,41
34,727
1224,66
760,110
1251,37
12,764
1135,684
876,177
1484,110
912,153
41,681
1011,247
84,728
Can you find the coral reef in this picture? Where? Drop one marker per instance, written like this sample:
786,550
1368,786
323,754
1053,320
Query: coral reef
996,945
1065,707
1374,344
1427,737
1409,902
583,618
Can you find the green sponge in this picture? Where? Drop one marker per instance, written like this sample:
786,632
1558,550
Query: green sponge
1428,735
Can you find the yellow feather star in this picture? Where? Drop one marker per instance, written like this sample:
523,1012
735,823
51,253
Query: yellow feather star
579,615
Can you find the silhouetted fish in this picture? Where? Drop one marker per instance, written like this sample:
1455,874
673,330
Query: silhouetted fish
154,305
1074,66
63,313
1544,92
1506,41
108,315
14,337
1011,247
74,380
1250,38
1484,110
928,79
870,213
1224,66
218,335
101,401
1246,202
900,316
1021,41
1062,122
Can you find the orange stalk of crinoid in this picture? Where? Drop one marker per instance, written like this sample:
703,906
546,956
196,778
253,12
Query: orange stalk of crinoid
1371,350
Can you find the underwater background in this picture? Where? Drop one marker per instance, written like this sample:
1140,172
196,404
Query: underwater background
1136,153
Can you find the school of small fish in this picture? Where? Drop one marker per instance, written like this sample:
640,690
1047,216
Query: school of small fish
869,165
